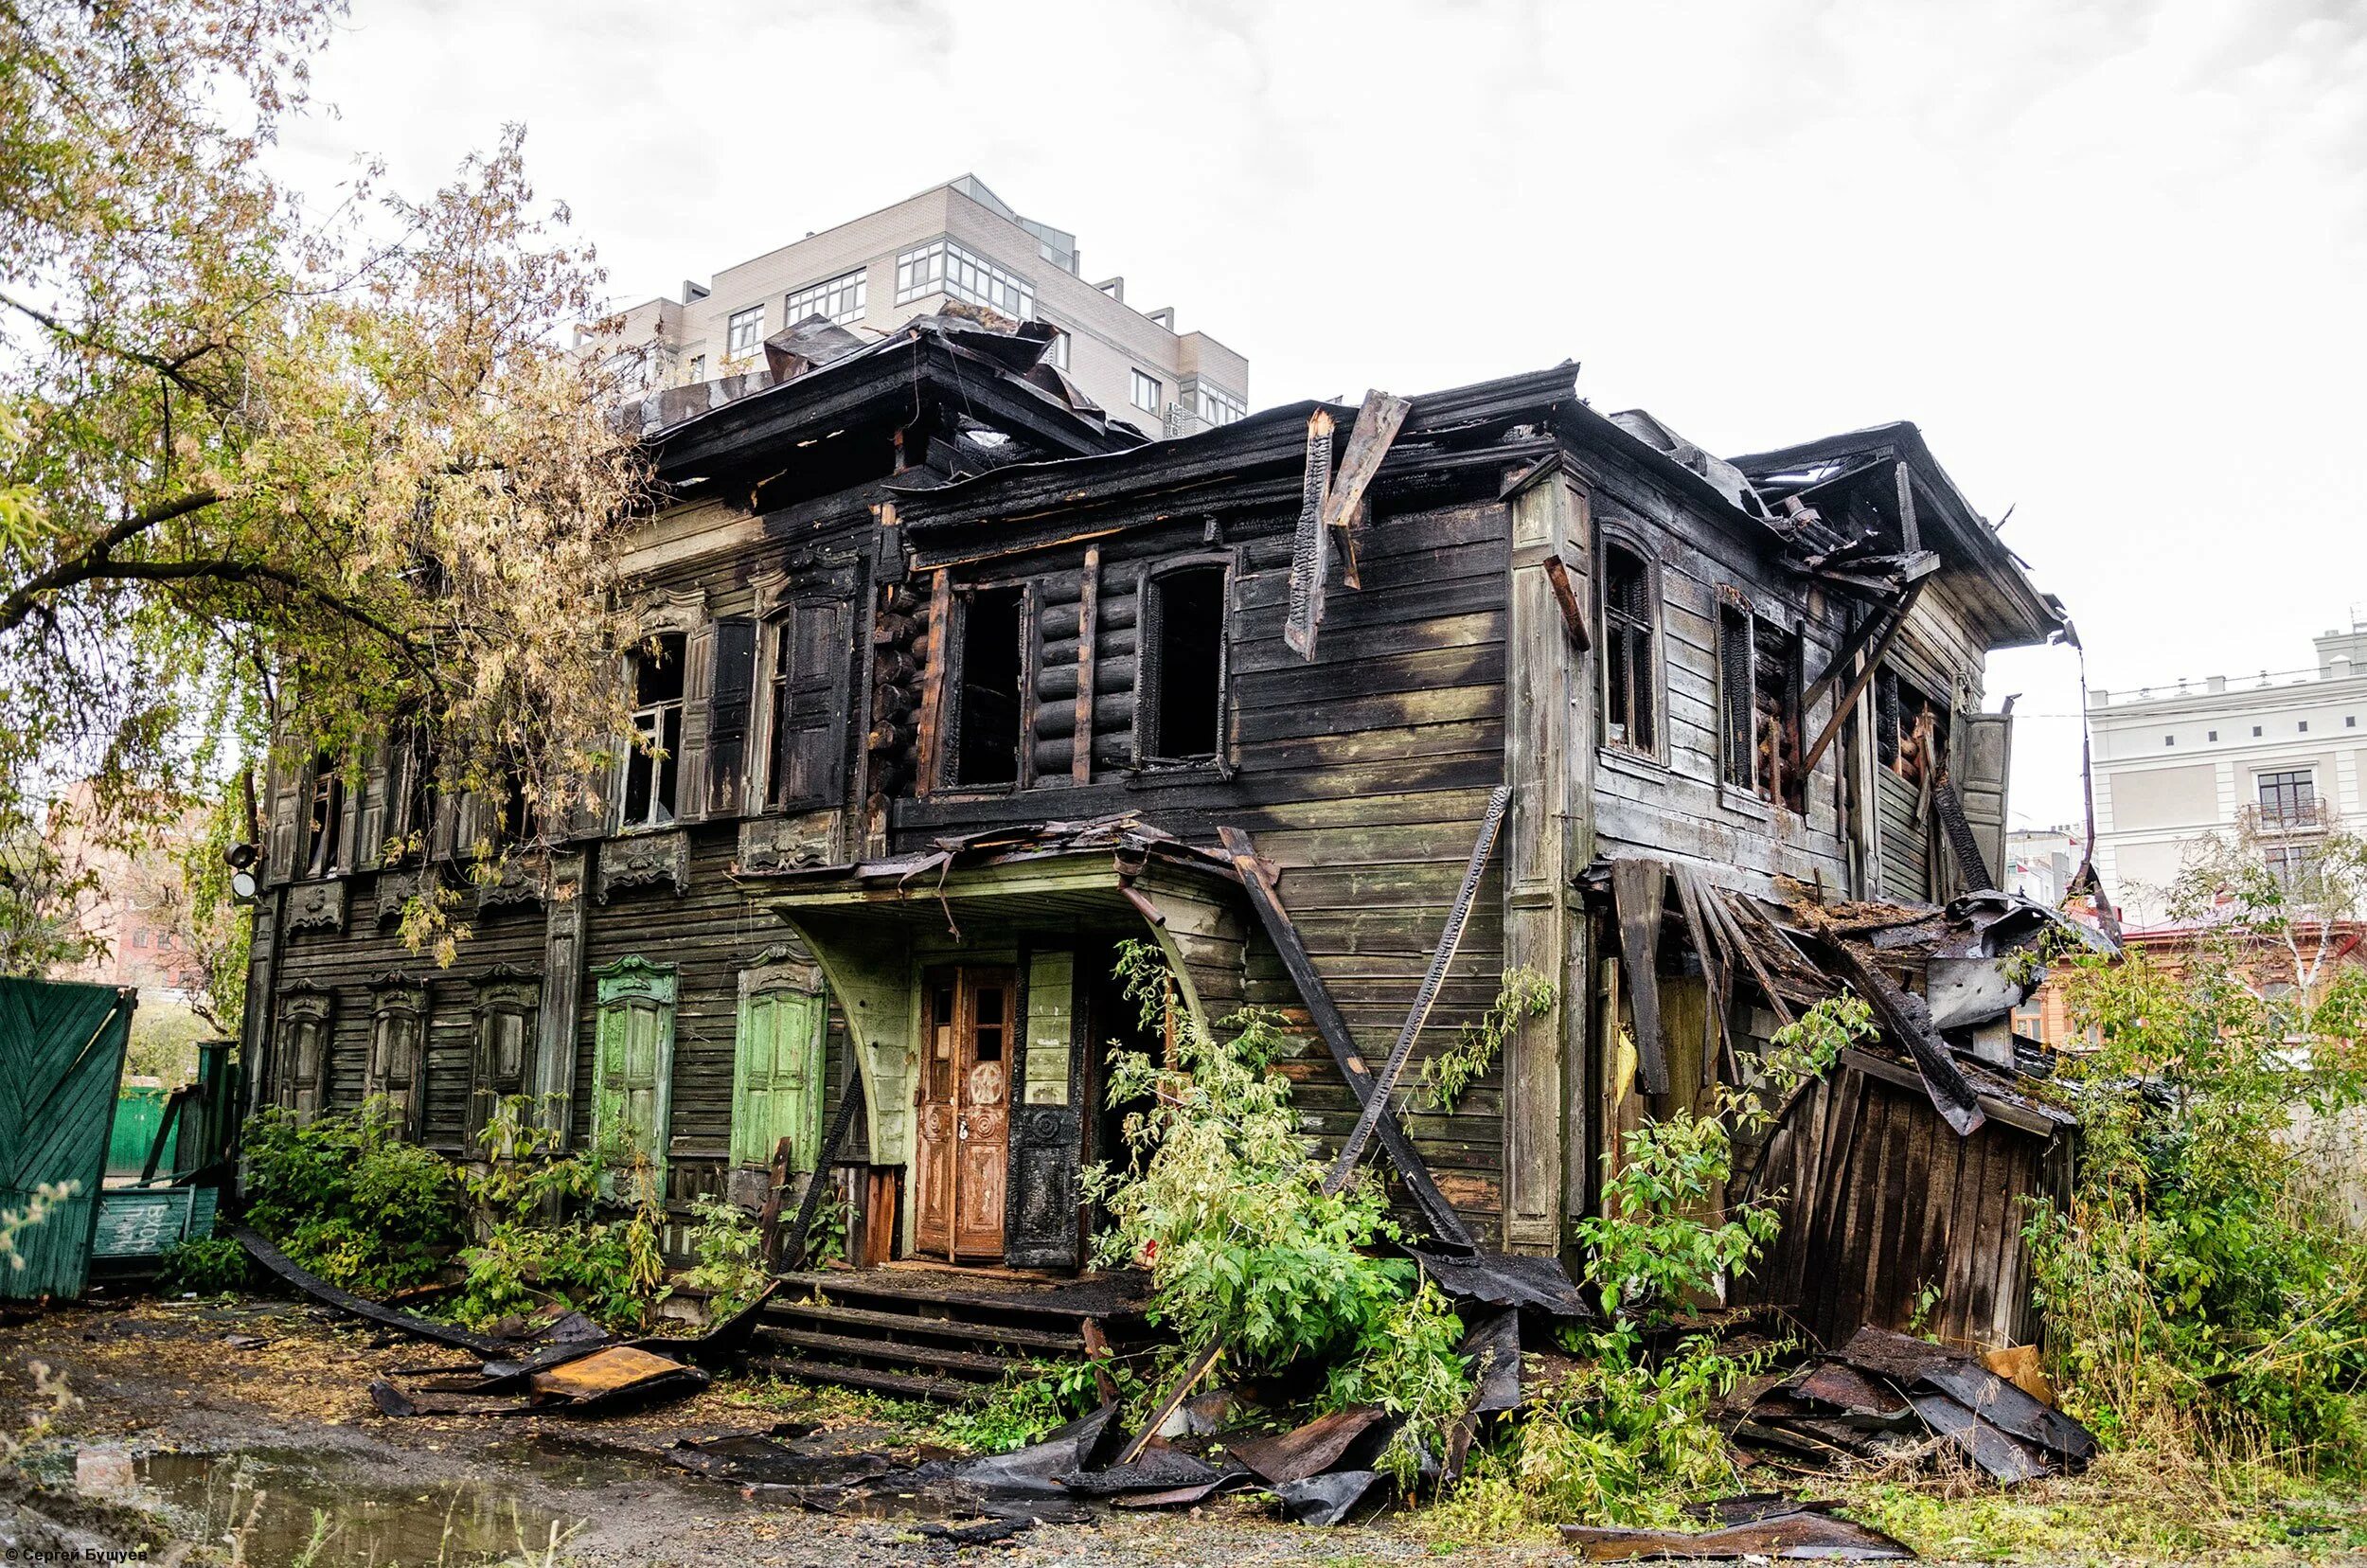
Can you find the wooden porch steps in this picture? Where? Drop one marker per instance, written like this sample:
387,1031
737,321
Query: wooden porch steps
923,1332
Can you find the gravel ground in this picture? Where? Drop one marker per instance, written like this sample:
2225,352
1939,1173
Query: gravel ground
277,1442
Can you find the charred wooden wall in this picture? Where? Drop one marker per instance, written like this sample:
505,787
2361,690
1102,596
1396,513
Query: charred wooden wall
1362,774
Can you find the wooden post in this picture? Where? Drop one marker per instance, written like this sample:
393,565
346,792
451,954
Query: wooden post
1549,760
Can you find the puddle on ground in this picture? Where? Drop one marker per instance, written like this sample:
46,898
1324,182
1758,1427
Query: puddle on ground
287,1505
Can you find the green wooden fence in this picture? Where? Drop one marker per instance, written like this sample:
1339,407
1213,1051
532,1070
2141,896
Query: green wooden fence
60,1056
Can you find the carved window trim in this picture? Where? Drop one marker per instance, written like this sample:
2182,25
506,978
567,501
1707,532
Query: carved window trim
503,992
306,1040
1649,629
1149,615
398,1004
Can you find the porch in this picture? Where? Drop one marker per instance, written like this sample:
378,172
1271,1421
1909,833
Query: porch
976,981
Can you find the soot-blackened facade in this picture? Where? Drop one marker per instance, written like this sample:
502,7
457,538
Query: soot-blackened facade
957,683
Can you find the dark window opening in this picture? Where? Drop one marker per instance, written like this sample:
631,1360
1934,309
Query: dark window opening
986,719
652,765
1775,714
324,818
1628,648
1909,727
1758,694
515,803
1183,716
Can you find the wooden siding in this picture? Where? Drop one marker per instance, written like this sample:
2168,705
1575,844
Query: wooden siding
1882,1200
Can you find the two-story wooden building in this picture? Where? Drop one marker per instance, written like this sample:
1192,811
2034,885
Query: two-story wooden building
953,684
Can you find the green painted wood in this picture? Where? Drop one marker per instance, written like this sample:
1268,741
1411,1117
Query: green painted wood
61,1054
139,1112
141,1221
633,1069
777,1076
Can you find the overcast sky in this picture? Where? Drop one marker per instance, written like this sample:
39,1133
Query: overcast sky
2107,254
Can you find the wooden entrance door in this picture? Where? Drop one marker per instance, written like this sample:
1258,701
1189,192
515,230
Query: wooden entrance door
965,1113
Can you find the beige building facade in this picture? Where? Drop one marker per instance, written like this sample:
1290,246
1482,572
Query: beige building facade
954,243
2280,754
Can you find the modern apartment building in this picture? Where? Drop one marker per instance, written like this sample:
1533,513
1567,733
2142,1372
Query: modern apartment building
2281,755
956,241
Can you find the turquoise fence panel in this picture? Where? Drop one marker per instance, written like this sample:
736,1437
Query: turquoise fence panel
139,1112
61,1057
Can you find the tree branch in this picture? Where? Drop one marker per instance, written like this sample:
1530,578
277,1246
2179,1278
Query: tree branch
95,560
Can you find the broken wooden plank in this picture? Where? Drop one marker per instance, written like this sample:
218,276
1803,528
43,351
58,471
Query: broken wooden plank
1639,889
1865,674
1910,536
1441,958
1445,1226
1309,544
850,1107
1572,612
1377,420
1716,971
1806,1534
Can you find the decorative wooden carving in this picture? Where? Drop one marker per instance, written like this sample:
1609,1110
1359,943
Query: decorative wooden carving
520,882
770,844
645,860
317,906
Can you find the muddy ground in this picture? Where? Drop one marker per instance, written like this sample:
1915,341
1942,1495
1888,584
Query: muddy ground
256,1450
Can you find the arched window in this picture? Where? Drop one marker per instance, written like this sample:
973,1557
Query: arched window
1630,678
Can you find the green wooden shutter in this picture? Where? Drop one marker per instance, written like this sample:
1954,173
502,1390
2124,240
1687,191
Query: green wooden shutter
632,1066
775,1077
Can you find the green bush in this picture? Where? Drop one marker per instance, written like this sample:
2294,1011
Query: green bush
578,1230
208,1266
1224,1204
346,1197
2197,1284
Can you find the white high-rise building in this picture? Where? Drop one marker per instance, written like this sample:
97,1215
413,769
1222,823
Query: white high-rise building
954,242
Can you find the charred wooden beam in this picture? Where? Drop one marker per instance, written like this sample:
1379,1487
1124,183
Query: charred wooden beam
1446,1225
1907,1021
1308,543
1458,917
1897,623
1572,612
1080,761
1377,420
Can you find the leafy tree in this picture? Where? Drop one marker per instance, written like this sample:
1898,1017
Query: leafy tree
332,467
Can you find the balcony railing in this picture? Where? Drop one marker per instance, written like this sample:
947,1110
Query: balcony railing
2313,816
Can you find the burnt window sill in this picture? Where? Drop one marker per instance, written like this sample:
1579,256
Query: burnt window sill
1151,772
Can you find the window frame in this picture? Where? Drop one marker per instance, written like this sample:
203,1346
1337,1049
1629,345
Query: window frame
957,649
1150,609
1143,378
1652,688
2300,784
306,1035
1740,775
755,315
936,267
324,819
503,991
398,1009
643,716
1229,409
854,284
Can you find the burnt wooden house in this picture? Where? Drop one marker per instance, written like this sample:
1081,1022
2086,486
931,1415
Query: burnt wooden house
953,684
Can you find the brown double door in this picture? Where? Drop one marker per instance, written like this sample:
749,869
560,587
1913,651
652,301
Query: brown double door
965,1114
